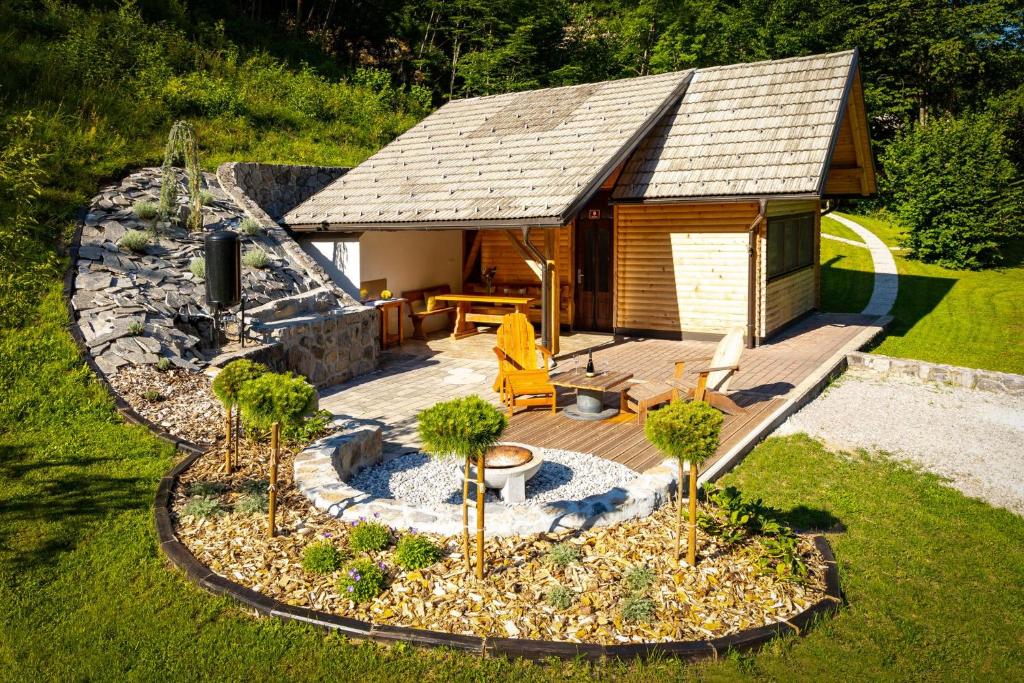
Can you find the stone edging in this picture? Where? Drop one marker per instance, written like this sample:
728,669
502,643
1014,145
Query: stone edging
180,556
321,470
937,373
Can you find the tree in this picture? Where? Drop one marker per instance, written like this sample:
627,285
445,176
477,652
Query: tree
952,185
181,142
226,386
268,402
687,432
464,428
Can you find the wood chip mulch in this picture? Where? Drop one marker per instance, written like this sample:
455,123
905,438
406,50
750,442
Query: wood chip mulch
183,403
725,593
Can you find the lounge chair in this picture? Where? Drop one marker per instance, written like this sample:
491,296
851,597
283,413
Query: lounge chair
712,382
522,379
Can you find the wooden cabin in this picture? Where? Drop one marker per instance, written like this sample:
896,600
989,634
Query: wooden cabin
675,205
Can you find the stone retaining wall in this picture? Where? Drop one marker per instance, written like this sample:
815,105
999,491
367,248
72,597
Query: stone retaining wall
278,188
321,472
970,378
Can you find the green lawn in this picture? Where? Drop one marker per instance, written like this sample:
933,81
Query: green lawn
847,272
933,579
969,318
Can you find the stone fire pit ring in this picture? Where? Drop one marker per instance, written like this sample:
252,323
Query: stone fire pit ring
510,480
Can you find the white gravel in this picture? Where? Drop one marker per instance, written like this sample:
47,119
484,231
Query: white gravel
420,480
974,439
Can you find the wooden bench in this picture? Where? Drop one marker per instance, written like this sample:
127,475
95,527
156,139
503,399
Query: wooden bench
420,316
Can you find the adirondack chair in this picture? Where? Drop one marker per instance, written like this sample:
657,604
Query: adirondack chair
712,382
522,379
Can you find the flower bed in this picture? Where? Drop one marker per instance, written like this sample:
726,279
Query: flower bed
608,585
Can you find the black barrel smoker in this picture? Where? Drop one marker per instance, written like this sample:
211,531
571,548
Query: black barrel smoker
223,253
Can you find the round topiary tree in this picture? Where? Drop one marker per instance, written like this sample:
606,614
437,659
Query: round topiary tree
226,386
687,432
268,402
464,428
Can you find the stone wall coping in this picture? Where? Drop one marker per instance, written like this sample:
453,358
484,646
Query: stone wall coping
938,373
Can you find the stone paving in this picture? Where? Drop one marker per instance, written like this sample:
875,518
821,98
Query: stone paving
887,279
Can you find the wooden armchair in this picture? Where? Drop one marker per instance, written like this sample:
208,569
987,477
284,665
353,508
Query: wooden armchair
712,382
521,380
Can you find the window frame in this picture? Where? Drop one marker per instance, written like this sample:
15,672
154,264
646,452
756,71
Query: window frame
781,222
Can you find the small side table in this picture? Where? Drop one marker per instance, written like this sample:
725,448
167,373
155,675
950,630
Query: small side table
590,393
387,340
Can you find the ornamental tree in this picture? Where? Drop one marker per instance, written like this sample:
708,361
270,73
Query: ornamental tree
226,386
464,428
687,432
268,402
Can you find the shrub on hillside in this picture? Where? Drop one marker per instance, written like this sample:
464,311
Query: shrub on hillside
955,190
272,397
134,241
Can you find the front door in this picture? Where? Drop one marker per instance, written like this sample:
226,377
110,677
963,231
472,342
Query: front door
594,259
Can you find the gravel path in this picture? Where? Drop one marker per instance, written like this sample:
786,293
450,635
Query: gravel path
421,480
973,438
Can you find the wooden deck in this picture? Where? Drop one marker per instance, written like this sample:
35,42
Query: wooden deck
767,376
771,376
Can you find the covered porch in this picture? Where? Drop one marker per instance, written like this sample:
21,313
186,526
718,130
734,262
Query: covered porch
774,379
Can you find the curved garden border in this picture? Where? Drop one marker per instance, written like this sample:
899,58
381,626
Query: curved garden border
181,557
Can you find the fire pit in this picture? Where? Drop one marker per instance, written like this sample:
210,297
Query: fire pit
507,467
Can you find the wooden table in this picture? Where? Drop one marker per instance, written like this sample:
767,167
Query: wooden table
465,317
387,339
590,392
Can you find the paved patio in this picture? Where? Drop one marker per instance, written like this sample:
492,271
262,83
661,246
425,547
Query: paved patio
772,378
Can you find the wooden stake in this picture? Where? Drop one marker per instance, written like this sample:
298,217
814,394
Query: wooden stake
238,433
227,442
679,511
691,548
275,437
465,515
480,516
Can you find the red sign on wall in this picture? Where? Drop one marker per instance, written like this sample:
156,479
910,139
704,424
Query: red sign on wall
594,214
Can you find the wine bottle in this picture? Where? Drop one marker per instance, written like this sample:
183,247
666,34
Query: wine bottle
590,364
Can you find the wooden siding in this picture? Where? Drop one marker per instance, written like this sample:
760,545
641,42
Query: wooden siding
682,267
784,298
851,167
497,251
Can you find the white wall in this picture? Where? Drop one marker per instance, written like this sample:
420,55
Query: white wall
339,259
413,259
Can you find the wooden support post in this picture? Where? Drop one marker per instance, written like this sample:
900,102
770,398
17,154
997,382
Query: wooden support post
691,542
480,516
554,303
465,516
679,511
275,444
474,250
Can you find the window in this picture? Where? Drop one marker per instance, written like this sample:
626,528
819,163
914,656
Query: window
790,243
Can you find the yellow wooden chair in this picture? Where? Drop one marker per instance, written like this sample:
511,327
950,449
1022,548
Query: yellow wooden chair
522,378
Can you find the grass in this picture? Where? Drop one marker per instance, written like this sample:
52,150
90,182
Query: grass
932,578
969,318
847,271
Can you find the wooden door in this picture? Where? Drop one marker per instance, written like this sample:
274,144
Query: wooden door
594,266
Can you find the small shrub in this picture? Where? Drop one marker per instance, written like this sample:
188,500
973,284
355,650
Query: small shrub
197,266
638,608
232,376
257,258
201,507
321,557
563,554
415,552
310,428
153,396
205,489
206,197
560,597
134,241
145,209
250,227
369,537
136,329
639,578
273,397
779,555
252,503
362,581
164,364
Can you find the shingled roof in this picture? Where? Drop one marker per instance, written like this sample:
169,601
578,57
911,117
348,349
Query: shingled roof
749,129
514,159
